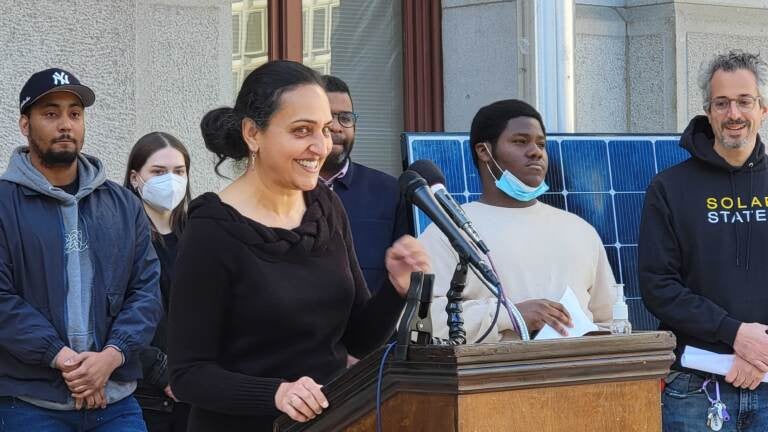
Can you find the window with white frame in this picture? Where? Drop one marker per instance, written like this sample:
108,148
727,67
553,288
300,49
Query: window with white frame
317,27
249,39
360,41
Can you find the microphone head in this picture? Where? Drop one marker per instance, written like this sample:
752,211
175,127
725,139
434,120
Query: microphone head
427,169
409,181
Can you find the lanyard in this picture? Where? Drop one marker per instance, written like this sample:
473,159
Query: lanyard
716,400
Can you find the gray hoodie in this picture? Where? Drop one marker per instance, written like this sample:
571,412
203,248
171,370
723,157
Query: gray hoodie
79,266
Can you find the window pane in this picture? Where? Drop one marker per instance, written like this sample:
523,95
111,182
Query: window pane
235,80
318,29
305,31
360,42
249,39
235,34
334,17
255,34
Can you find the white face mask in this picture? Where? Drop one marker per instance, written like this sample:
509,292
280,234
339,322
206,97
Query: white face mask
163,192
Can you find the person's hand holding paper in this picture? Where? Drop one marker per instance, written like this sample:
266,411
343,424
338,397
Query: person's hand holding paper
540,312
581,324
707,361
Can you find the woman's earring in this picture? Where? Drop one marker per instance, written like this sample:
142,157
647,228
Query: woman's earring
253,158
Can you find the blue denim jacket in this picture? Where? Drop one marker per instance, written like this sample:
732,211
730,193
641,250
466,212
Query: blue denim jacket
126,303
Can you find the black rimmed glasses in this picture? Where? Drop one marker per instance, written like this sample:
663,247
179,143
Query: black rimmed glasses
746,103
345,118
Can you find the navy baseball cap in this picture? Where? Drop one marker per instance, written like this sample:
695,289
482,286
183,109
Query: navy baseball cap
53,80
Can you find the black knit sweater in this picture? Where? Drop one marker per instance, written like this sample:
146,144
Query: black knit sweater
253,306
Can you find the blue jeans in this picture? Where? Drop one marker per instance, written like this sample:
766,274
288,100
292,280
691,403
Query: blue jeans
684,405
122,416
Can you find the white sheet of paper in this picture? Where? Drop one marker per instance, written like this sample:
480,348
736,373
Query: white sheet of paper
581,323
707,361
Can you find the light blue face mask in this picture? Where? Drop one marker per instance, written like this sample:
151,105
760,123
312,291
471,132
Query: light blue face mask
513,186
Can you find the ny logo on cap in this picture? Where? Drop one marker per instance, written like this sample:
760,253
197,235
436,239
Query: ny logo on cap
60,78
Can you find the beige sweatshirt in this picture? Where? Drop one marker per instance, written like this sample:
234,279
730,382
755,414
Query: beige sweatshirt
538,251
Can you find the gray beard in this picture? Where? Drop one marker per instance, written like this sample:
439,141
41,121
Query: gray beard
733,144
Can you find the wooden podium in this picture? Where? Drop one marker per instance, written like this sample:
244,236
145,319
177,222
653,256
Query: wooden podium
595,383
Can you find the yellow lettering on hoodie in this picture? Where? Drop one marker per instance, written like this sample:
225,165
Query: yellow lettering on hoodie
726,203
711,203
756,202
739,204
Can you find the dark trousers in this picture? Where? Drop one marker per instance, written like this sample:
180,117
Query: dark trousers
161,421
161,414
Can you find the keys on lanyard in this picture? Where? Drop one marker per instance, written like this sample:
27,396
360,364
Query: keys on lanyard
715,416
717,413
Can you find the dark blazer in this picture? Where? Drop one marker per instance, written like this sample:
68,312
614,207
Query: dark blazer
377,214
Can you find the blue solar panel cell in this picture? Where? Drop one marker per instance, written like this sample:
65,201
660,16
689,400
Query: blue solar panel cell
628,209
668,153
632,164
597,209
600,178
554,177
628,260
613,258
639,316
474,185
460,198
585,166
443,153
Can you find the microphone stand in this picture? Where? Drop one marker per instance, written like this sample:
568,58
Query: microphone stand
456,333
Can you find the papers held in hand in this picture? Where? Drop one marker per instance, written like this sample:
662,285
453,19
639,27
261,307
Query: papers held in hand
581,323
707,361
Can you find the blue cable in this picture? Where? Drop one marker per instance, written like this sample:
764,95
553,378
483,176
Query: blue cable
378,385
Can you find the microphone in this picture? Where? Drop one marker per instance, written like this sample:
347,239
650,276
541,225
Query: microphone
436,181
417,192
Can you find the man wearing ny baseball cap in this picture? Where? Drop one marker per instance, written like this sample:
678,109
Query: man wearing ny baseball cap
79,293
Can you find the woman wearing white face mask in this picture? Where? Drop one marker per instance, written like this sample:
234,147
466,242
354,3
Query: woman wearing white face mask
157,172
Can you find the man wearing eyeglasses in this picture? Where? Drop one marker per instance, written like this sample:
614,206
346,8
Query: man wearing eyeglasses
702,253
372,198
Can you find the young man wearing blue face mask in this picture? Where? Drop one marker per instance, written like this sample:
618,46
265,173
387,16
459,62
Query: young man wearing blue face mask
538,250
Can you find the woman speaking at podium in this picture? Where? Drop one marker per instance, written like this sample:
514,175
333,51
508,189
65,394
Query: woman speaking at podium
268,297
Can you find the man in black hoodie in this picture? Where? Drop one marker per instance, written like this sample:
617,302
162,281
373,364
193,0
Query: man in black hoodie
703,242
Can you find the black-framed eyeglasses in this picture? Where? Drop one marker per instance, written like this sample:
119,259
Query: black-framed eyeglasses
745,103
347,119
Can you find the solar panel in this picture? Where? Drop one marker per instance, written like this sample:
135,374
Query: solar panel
601,178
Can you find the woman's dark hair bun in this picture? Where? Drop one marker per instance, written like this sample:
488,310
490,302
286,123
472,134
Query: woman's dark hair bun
222,135
258,99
